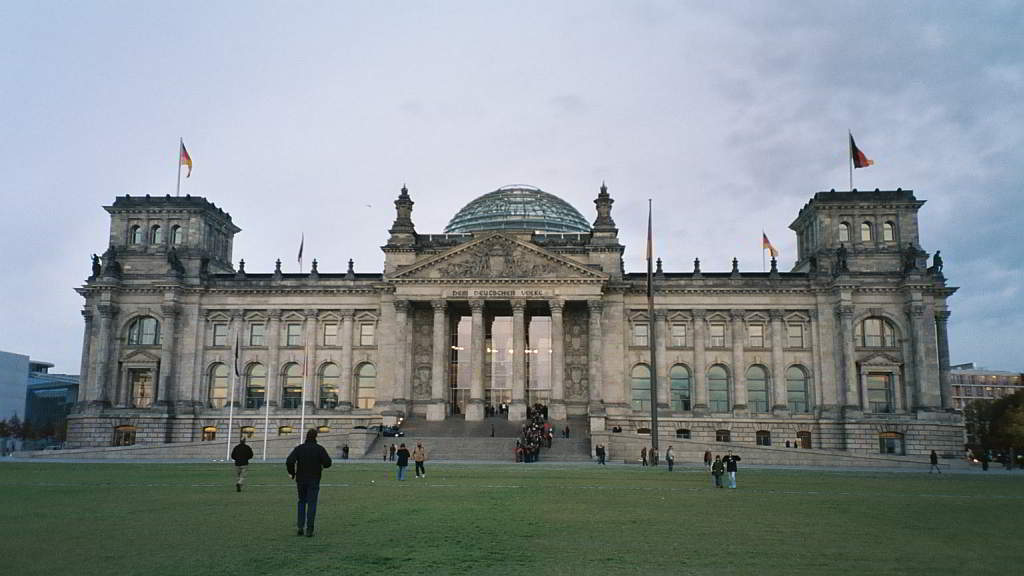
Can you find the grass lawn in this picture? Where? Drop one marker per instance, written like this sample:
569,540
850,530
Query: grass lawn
122,519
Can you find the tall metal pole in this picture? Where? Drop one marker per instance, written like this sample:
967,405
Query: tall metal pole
851,159
652,338
231,394
181,144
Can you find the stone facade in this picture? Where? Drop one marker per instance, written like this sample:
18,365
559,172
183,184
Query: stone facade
848,351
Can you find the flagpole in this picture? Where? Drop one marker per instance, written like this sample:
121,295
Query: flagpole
181,143
763,236
305,371
850,135
652,331
266,417
231,396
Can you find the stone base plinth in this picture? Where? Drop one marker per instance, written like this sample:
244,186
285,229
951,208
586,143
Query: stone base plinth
437,411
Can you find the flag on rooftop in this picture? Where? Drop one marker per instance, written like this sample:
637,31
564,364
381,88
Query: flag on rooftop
767,245
184,159
859,159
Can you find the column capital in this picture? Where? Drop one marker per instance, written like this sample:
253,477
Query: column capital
107,310
557,305
439,305
813,313
311,313
401,305
660,313
737,314
915,310
698,313
87,314
237,314
518,306
942,316
347,313
169,309
595,305
776,314
476,306
274,313
845,311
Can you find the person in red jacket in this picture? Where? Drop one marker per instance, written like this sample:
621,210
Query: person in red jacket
305,465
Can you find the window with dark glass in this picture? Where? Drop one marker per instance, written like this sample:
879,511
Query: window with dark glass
255,386
144,331
135,234
718,389
291,391
124,435
723,436
329,375
177,235
640,387
683,434
875,333
209,433
796,389
757,389
156,235
679,377
366,386
804,439
880,392
218,385
717,331
890,443
763,438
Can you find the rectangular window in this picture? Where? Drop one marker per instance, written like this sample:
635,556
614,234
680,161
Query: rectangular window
366,334
293,334
220,334
880,392
679,335
256,334
331,334
756,334
795,334
717,335
640,336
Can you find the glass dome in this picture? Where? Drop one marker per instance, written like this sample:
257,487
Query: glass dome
518,207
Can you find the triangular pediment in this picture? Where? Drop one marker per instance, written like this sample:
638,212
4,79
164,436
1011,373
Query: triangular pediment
880,360
498,257
140,356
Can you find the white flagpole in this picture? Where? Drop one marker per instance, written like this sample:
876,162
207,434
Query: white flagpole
266,417
181,143
850,135
231,395
305,372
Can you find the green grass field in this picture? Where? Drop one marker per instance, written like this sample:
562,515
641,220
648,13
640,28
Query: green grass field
505,519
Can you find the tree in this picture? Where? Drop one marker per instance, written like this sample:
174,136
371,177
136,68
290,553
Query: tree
997,424
14,425
5,429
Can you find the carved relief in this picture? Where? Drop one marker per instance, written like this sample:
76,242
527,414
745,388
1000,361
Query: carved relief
576,370
422,348
498,257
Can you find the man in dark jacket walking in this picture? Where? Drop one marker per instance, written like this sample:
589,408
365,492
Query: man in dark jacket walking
934,458
403,461
730,467
241,454
305,464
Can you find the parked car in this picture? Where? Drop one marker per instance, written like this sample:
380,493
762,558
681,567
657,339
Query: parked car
387,430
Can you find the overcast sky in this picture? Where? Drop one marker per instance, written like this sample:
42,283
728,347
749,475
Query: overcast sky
308,117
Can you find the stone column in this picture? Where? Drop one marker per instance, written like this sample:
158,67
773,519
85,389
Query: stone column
700,377
273,336
85,392
475,406
926,396
311,385
942,339
103,384
558,411
165,395
660,332
399,398
816,398
517,409
780,400
739,370
348,397
849,391
594,346
438,409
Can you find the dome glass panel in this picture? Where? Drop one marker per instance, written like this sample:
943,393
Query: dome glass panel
518,207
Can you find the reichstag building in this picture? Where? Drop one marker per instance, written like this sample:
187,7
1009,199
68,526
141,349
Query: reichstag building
521,301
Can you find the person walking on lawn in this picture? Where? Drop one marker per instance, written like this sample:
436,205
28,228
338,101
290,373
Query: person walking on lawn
935,463
730,467
420,456
403,461
241,454
305,465
717,469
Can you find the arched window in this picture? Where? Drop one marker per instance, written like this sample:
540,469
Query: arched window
144,331
683,434
124,435
844,232
209,433
875,332
679,377
796,389
142,386
757,389
865,231
283,430
291,389
890,443
804,439
248,432
135,234
255,386
718,389
763,437
218,385
889,232
156,235
366,385
723,436
640,387
177,235
329,375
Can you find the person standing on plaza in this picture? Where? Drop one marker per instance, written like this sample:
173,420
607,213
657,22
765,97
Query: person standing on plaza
717,469
730,467
643,456
420,456
403,461
305,465
707,459
670,458
600,452
935,463
391,453
241,454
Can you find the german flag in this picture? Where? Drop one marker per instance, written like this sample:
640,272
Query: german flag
185,160
859,159
767,245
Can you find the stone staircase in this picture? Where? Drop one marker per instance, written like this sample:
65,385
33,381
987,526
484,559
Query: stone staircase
456,439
